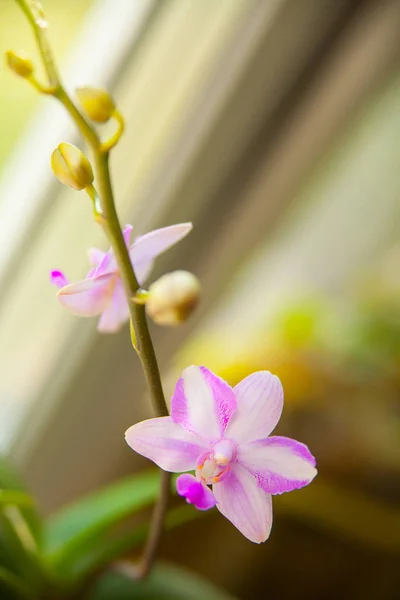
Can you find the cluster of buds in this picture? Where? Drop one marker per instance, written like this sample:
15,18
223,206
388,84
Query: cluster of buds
171,299
69,164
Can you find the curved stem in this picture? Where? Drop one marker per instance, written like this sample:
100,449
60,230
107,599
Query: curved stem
156,527
110,222
107,145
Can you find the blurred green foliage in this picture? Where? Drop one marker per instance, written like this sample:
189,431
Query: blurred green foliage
167,582
74,553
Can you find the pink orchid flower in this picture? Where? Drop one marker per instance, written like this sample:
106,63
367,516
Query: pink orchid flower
102,292
222,434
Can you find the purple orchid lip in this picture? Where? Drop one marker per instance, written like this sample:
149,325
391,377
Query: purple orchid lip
101,292
195,492
223,434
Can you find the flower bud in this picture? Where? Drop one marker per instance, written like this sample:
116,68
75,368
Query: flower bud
19,63
172,298
96,103
71,166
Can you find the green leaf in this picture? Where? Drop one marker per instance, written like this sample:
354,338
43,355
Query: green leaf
20,534
19,553
85,521
166,582
11,483
73,567
16,498
12,587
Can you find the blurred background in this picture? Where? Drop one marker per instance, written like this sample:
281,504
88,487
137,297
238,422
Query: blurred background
273,125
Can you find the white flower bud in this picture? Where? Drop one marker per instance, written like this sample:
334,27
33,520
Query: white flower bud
172,298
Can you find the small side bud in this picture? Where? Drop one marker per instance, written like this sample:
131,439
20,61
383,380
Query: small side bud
71,166
19,63
97,104
172,298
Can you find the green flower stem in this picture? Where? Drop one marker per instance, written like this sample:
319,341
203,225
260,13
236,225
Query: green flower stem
156,527
109,220
32,12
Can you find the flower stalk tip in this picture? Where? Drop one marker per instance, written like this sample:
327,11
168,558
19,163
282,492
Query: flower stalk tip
71,167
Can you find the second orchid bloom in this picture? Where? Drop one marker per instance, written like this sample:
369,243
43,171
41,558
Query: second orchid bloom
101,292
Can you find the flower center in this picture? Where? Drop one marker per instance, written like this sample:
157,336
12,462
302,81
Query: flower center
214,466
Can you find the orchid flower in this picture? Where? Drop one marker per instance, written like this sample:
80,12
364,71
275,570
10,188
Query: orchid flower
102,292
222,434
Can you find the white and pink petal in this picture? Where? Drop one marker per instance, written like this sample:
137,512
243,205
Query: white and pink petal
244,504
203,403
108,263
147,247
127,234
279,464
88,297
259,400
117,313
166,444
95,256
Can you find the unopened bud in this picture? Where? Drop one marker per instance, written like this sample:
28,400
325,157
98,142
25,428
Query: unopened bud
71,166
172,298
97,104
19,63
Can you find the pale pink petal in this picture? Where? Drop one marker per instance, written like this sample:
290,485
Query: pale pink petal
88,297
202,403
166,443
95,256
195,492
107,265
143,270
259,407
58,278
147,247
279,464
117,313
244,504
127,234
